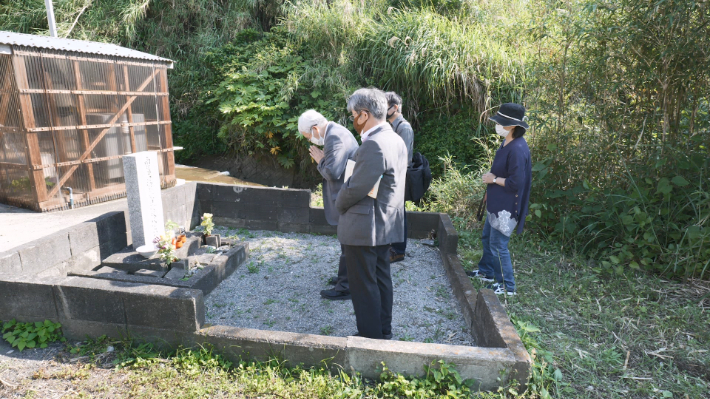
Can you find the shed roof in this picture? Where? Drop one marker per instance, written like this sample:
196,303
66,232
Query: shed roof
81,46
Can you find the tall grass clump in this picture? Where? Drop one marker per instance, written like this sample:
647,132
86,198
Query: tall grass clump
450,72
440,62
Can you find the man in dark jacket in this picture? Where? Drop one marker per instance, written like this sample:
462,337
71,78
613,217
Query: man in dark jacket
371,206
404,130
339,146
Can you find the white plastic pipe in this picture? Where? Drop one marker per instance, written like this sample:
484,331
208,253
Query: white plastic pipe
50,18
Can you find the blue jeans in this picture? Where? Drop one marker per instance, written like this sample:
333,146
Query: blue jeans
495,262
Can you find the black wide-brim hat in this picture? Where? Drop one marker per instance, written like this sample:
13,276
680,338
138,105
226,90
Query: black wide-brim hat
510,114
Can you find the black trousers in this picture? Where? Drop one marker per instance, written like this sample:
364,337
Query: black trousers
342,285
371,288
401,247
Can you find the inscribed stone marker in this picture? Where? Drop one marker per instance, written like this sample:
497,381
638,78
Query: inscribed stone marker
145,205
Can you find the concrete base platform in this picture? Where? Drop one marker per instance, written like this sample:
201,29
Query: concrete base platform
94,301
206,278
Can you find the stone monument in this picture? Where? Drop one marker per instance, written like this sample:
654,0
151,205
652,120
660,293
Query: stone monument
145,205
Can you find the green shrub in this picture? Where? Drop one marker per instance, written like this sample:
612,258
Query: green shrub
261,96
31,335
441,379
458,140
620,146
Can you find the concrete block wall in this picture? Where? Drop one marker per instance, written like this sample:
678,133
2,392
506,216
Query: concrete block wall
484,314
261,208
94,307
77,248
285,210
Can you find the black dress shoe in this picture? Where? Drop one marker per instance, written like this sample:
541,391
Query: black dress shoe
333,280
335,295
395,257
384,336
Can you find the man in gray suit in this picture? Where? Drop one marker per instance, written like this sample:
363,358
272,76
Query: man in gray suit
339,146
368,225
404,130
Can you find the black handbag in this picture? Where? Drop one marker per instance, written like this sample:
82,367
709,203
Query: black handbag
418,178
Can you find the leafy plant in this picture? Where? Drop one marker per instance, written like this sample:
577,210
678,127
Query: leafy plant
441,379
32,335
207,223
545,377
166,247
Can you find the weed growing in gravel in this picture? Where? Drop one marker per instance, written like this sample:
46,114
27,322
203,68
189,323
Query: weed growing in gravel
327,330
252,268
269,323
441,292
270,301
246,233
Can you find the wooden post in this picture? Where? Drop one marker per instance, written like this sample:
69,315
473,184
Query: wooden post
165,103
51,102
131,129
6,92
31,140
81,110
112,85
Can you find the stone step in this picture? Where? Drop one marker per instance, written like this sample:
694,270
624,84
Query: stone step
110,270
150,273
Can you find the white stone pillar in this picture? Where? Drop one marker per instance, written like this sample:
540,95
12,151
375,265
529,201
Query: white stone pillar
145,205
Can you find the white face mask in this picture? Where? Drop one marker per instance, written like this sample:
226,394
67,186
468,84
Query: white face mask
501,130
317,141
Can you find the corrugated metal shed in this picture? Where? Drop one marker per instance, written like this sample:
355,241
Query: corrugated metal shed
69,111
81,46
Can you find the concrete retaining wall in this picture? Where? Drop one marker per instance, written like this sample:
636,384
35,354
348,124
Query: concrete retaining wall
93,307
34,286
83,246
483,312
285,210
80,247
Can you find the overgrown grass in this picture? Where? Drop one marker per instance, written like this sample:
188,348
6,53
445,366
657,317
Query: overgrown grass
629,336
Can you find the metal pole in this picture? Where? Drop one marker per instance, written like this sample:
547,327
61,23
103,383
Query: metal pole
50,18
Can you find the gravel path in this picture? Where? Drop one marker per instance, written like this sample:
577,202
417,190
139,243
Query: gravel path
278,289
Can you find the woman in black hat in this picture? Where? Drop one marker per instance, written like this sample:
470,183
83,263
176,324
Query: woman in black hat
507,197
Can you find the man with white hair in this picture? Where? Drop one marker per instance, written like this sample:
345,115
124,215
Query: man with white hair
371,206
339,146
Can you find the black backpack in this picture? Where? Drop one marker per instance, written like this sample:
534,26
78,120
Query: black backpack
418,178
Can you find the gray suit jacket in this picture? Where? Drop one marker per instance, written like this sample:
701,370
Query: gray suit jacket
340,145
404,130
366,221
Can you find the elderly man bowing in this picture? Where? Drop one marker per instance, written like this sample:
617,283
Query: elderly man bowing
371,206
339,146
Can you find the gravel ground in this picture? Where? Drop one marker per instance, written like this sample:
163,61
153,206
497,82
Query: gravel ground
278,289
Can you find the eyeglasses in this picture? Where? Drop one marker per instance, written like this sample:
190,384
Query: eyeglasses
352,118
